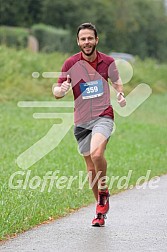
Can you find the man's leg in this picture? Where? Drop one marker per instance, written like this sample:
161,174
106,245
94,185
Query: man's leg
98,146
92,178
96,162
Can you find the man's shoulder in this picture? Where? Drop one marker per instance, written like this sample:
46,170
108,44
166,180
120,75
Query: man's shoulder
69,62
106,58
73,59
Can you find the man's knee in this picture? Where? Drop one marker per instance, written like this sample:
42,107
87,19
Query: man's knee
96,157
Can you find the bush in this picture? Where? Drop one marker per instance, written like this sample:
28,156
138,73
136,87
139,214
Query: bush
14,36
51,39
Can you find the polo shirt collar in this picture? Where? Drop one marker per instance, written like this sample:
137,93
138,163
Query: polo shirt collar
99,58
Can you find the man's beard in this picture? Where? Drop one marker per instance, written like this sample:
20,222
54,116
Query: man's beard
92,51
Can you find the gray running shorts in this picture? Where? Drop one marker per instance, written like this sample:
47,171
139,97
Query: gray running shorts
83,132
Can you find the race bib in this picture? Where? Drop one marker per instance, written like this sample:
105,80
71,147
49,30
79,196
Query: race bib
91,89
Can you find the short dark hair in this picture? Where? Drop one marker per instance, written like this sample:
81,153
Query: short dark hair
87,26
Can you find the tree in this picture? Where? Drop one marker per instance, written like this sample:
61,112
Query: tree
133,26
20,13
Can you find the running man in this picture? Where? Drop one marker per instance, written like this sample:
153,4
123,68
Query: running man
87,72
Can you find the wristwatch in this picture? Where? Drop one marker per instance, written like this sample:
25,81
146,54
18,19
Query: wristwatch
120,93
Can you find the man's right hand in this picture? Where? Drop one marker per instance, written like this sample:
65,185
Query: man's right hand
60,92
65,86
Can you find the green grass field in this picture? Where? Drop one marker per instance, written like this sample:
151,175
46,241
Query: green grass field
138,144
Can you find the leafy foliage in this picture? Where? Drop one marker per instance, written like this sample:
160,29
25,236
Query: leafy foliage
133,26
14,36
51,39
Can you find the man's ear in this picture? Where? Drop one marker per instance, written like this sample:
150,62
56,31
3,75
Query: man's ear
77,42
97,40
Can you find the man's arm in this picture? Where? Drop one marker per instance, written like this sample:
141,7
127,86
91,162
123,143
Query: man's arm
113,74
118,86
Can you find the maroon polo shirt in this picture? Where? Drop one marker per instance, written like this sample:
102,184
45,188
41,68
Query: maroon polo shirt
87,73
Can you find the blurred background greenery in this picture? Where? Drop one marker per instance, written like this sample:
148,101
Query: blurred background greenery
138,27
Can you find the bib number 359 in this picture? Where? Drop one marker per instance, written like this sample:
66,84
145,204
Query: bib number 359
91,90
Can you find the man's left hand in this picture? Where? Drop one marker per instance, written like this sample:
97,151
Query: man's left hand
121,99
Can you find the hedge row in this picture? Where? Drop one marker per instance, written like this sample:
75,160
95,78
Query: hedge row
49,38
14,37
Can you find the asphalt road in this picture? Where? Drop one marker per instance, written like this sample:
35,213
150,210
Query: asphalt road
137,221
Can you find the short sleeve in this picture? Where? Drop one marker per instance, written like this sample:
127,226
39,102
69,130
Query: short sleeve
113,72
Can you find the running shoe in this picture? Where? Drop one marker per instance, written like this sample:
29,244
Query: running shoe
99,221
103,202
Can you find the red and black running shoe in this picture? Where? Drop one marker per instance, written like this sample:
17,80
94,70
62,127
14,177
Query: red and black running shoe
103,202
99,221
